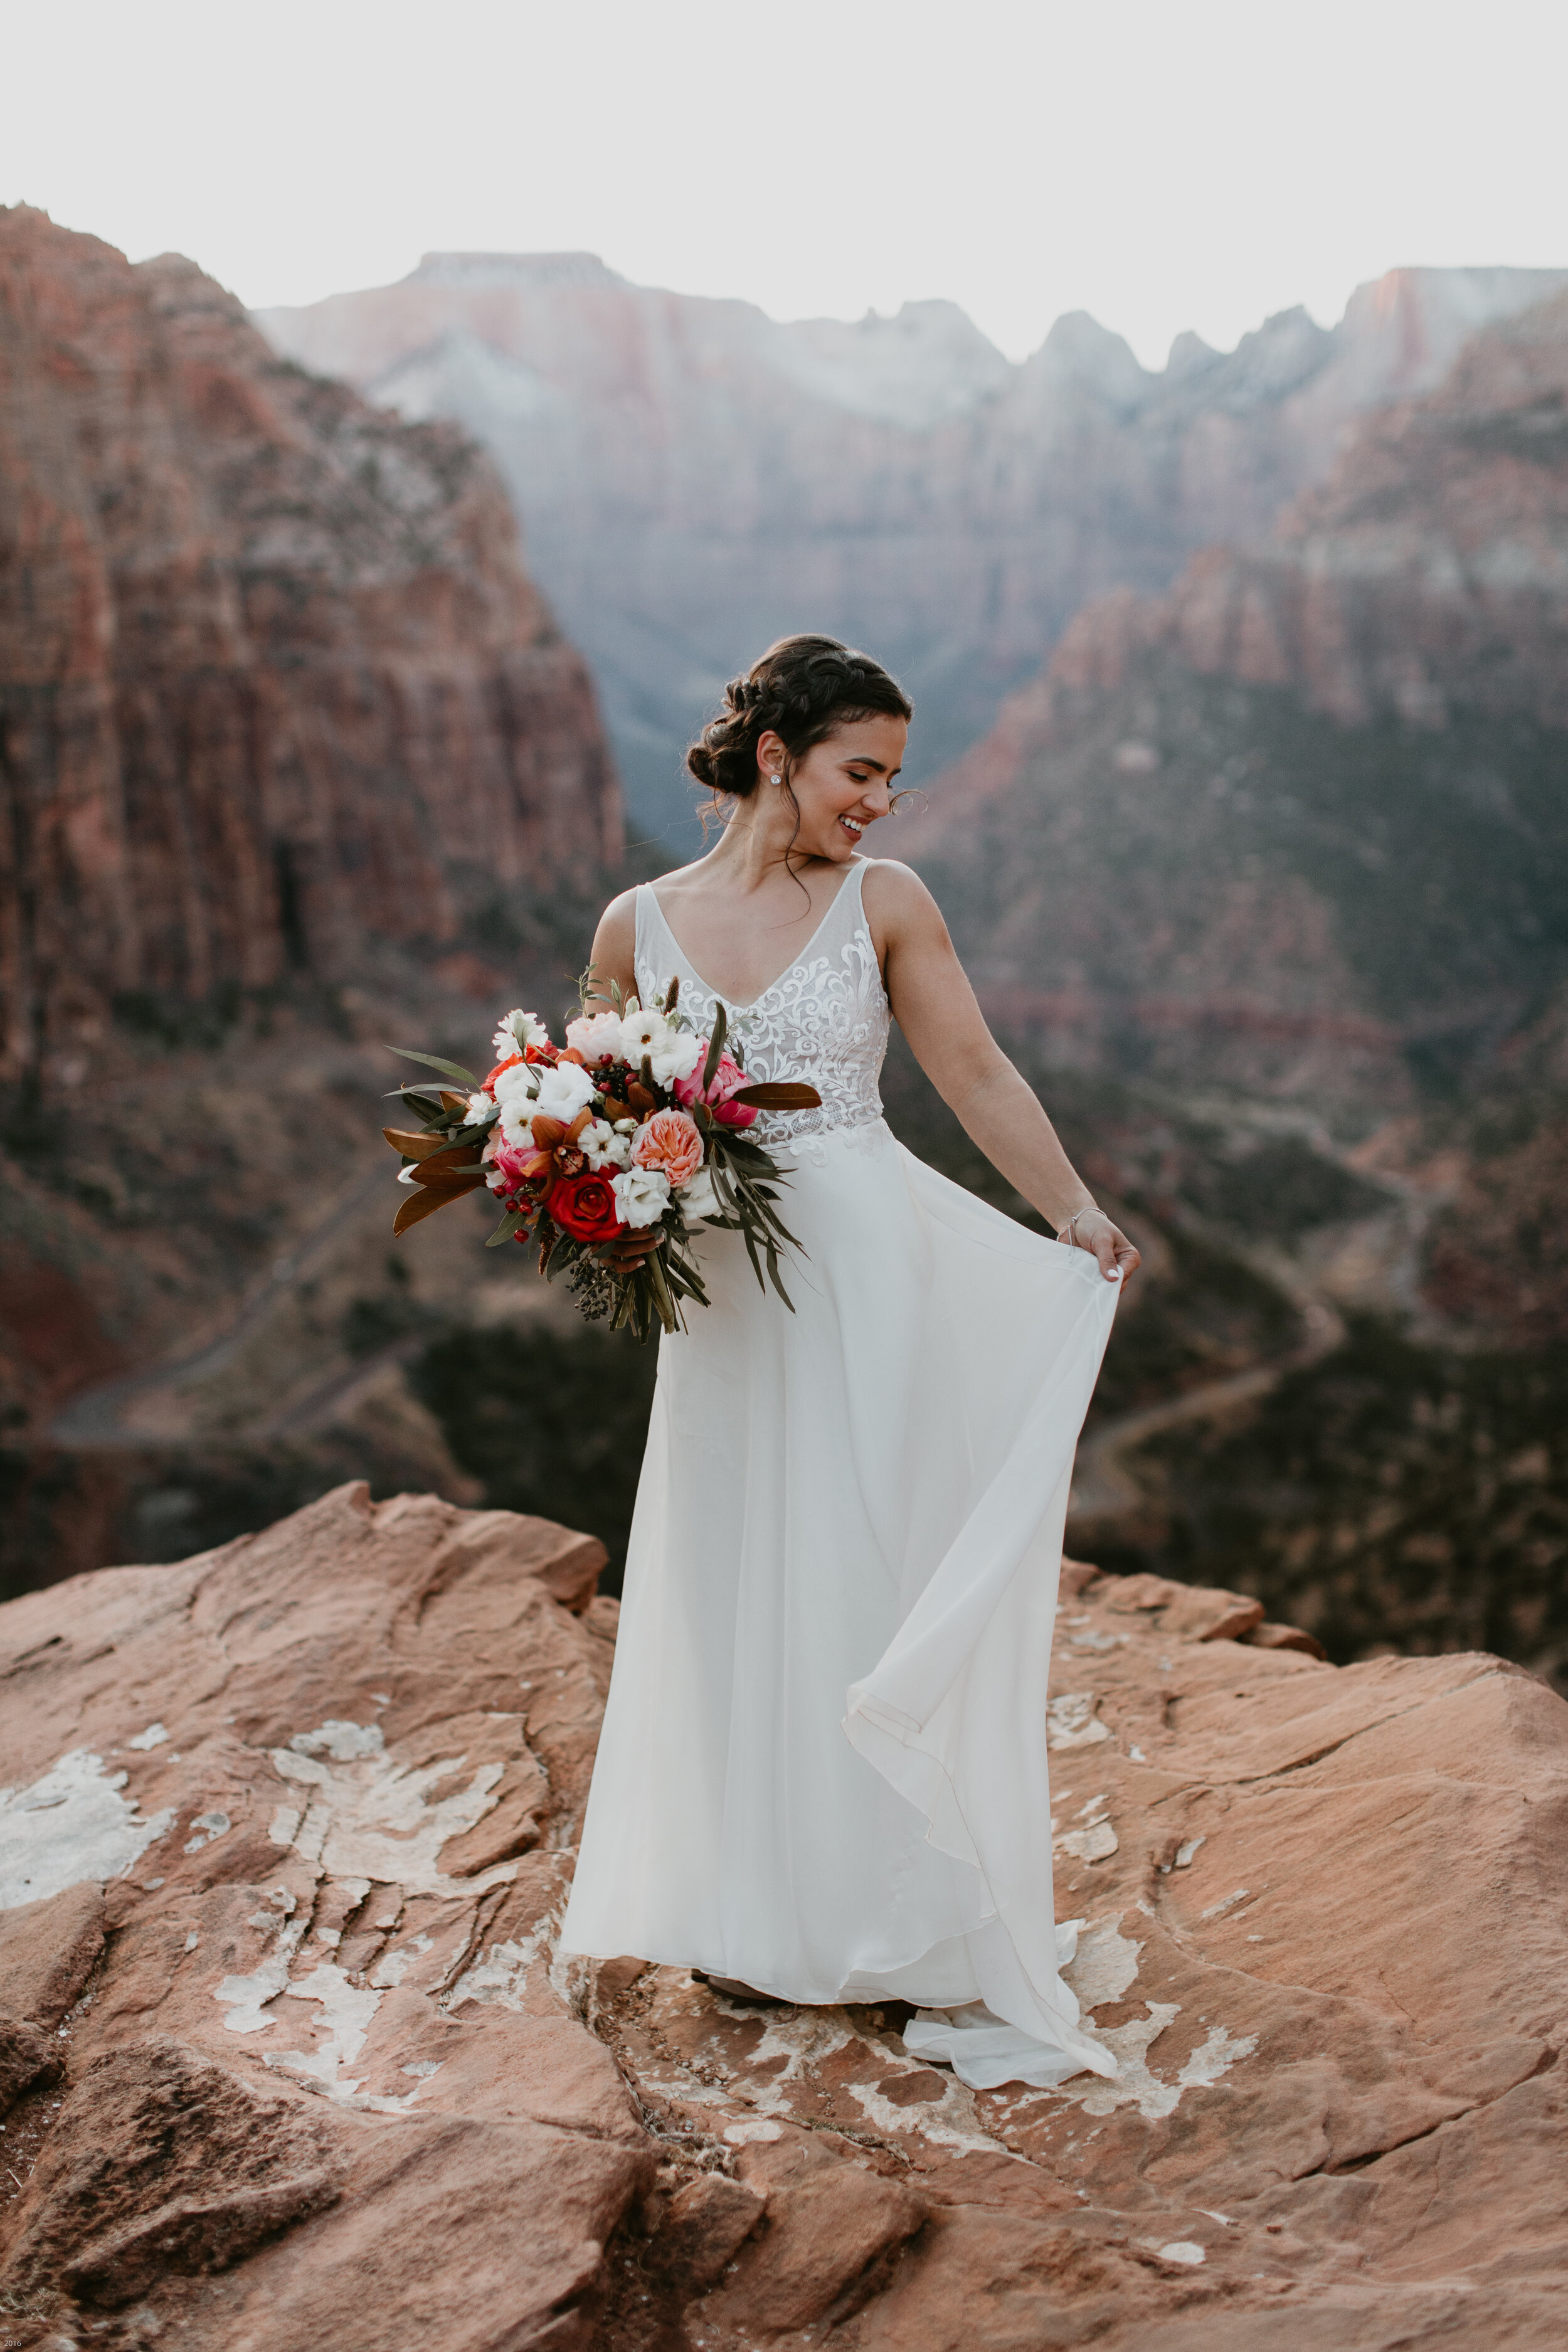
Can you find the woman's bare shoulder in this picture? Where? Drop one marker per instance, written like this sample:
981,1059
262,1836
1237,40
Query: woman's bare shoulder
894,896
681,879
621,910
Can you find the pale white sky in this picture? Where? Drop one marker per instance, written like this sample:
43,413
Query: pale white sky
1162,166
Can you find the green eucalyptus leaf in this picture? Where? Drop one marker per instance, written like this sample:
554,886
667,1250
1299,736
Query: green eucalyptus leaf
434,1062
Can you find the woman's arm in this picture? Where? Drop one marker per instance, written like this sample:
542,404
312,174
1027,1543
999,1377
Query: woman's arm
614,958
935,1007
615,948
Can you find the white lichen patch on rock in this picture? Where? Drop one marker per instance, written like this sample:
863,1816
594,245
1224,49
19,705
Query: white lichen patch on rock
246,1998
1096,1844
368,1817
1071,1721
500,1973
950,2121
1105,1970
1104,1965
807,2038
207,1827
1215,2056
69,1826
347,2014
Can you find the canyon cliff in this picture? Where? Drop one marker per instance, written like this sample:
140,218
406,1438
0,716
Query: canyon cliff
273,682
696,480
1303,823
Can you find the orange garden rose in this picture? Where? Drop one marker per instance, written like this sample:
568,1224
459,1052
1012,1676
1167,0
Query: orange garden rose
671,1143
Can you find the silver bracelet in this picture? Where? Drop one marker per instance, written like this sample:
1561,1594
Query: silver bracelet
1067,1234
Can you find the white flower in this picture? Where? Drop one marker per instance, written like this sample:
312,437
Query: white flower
563,1088
517,1030
681,1056
698,1197
596,1037
514,1092
673,1053
602,1146
642,1195
642,1031
483,1108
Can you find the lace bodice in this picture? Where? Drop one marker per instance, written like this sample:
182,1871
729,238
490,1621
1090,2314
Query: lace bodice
824,1021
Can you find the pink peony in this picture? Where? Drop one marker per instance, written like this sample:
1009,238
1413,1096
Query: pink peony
516,1162
670,1142
596,1037
727,1077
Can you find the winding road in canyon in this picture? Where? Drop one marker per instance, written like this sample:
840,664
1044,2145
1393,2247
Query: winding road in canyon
1105,1488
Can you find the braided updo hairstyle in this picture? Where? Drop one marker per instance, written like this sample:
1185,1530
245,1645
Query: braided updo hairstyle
804,689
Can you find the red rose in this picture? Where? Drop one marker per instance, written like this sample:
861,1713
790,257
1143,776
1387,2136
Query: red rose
584,1207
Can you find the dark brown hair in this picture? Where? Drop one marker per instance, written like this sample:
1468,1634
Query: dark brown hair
803,688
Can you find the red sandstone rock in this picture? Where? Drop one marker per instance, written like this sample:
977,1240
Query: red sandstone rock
272,677
328,2081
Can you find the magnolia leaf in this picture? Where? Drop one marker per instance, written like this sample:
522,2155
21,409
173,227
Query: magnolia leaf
642,1098
784,1094
447,1161
435,1062
412,1147
425,1204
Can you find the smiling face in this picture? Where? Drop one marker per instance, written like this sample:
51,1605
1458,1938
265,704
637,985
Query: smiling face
842,785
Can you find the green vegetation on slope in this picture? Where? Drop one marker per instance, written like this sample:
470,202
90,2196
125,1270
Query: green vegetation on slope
1390,1497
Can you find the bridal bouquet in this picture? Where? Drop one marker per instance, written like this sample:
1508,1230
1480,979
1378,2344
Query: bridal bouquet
637,1122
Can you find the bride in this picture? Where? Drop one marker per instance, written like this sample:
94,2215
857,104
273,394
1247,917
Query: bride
823,1774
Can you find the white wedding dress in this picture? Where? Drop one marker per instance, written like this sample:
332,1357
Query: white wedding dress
822,1768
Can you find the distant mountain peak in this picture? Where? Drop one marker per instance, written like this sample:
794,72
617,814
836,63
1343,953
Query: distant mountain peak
512,269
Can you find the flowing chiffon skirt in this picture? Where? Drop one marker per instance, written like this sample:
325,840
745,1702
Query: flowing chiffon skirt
823,1769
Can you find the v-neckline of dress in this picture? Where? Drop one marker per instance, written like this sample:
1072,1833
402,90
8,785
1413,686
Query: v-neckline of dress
753,1001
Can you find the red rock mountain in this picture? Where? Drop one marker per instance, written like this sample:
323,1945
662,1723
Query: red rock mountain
1307,817
272,678
695,478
